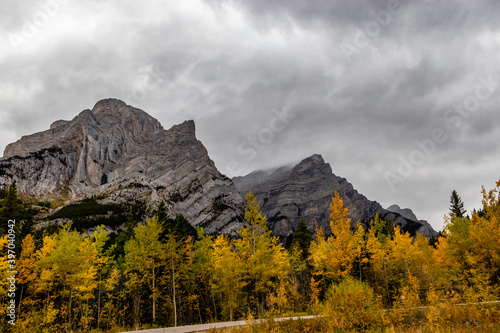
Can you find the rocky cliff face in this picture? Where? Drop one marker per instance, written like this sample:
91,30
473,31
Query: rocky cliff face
408,214
122,153
304,191
405,212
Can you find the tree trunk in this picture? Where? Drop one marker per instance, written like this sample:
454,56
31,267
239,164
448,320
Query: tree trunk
387,284
69,311
154,295
137,304
173,288
99,302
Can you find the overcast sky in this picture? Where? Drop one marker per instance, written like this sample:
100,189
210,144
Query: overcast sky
400,97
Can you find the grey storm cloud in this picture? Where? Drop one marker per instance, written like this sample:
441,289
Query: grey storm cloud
367,84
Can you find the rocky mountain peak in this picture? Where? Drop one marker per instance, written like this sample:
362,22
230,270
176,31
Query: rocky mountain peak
187,128
304,191
116,112
406,212
313,166
121,152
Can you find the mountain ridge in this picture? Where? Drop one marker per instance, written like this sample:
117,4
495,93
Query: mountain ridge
305,191
405,212
121,152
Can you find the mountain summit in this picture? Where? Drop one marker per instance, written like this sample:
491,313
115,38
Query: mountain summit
305,191
122,153
406,212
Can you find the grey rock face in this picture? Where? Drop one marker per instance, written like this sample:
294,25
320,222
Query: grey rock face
304,191
122,152
405,212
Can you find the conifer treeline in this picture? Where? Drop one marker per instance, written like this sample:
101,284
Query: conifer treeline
162,273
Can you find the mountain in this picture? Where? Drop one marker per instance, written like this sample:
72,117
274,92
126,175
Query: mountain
305,190
122,154
405,212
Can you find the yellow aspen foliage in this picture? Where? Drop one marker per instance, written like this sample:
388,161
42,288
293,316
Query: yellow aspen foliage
468,253
176,259
253,215
315,290
46,280
109,311
133,286
360,250
4,283
266,259
400,250
27,262
27,275
435,308
450,253
339,221
342,239
333,258
351,304
408,259
228,275
66,265
409,302
280,300
144,254
319,252
378,252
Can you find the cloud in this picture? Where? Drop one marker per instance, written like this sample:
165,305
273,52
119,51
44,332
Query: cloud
269,83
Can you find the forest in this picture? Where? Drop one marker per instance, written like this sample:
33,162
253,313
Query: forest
164,273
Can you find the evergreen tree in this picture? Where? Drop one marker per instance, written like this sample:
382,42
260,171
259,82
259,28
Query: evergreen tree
183,228
302,237
124,236
382,229
161,212
12,206
456,206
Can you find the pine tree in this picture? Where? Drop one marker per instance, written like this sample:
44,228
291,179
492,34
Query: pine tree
302,237
12,206
299,253
161,212
456,206
382,229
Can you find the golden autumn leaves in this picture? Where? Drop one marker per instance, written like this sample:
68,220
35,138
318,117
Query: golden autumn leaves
74,282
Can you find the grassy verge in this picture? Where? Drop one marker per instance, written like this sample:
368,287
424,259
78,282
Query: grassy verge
449,318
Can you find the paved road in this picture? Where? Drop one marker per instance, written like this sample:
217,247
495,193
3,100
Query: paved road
207,327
